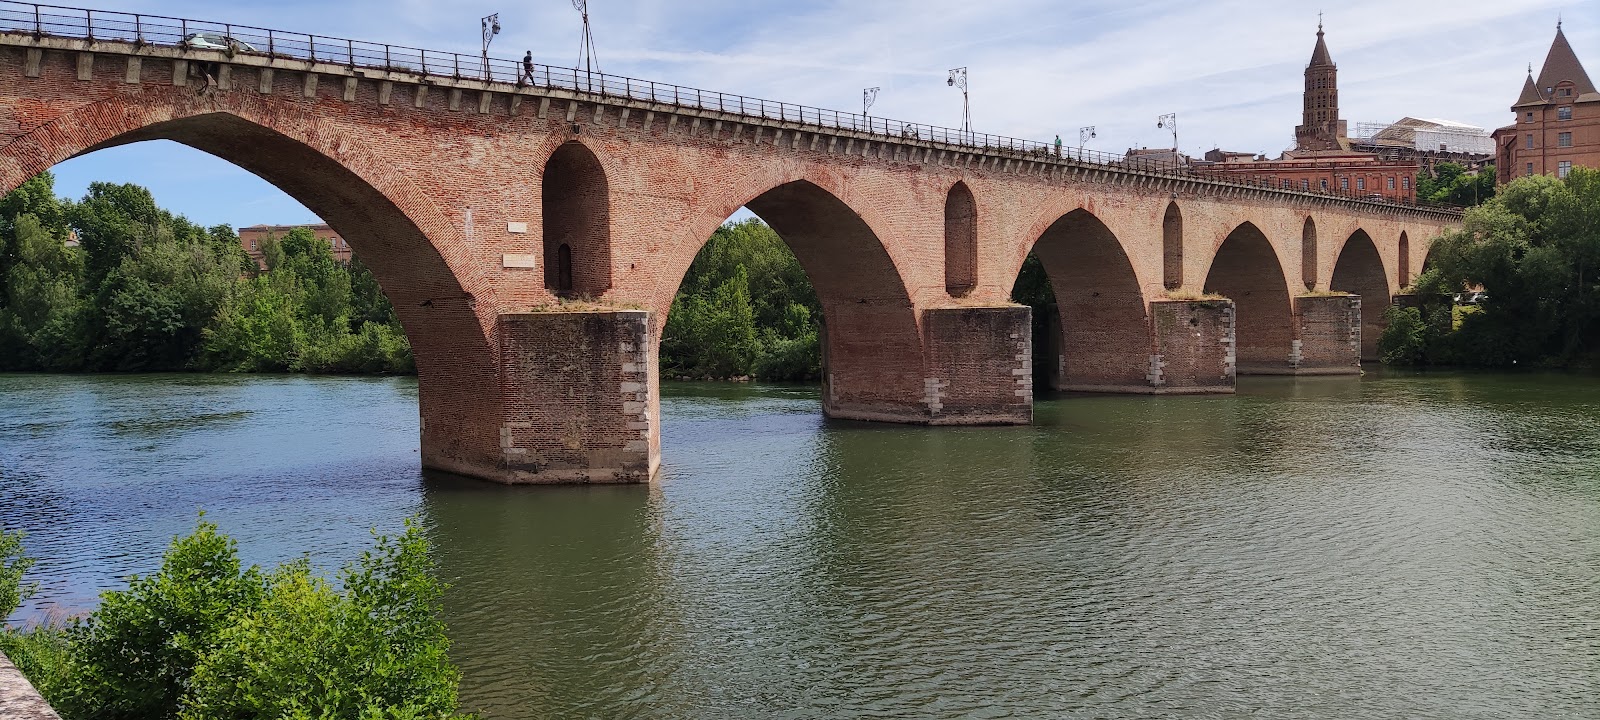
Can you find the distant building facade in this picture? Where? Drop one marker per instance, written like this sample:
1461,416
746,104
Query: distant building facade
1323,158
1557,123
252,238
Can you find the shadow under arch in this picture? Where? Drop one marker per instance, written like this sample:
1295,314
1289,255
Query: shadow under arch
394,228
1359,271
1308,254
1104,328
1247,270
575,204
960,240
871,341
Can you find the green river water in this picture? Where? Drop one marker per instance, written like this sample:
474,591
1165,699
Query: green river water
1391,546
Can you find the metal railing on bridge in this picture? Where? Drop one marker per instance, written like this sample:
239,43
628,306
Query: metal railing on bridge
140,29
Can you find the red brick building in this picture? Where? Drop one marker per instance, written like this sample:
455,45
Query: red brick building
1322,159
1558,120
252,237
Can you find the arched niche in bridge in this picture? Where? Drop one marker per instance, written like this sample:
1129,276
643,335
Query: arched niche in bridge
1102,337
1172,247
576,207
1359,271
1246,270
1404,260
960,241
1308,254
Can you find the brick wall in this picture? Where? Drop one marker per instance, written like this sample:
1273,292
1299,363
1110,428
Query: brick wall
1192,349
1329,335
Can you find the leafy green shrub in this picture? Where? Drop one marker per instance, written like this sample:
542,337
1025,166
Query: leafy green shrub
1404,341
205,638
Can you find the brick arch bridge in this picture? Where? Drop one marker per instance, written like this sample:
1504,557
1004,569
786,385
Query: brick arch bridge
532,239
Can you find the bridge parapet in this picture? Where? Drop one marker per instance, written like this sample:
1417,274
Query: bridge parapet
140,36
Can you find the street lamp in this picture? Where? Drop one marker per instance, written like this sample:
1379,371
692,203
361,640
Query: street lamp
1085,134
1170,120
869,97
958,78
491,28
582,6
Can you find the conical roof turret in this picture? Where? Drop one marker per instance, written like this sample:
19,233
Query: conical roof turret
1562,65
1320,56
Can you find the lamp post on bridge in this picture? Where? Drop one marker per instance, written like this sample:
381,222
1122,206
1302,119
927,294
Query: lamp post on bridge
958,78
1170,120
869,96
491,28
1085,134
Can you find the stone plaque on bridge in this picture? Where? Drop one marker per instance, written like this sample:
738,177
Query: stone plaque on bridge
520,261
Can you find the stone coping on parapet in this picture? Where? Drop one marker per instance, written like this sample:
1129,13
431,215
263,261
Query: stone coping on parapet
1025,161
18,699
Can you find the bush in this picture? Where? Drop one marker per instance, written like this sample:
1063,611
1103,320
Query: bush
205,638
1404,341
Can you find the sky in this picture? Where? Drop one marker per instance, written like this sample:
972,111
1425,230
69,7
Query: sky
1230,69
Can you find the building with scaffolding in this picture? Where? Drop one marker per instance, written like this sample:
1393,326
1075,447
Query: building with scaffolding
1324,158
1429,141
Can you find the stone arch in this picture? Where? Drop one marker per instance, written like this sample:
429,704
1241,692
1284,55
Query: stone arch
1359,271
1308,254
1172,246
575,206
872,347
960,241
1247,270
419,257
1404,260
1105,339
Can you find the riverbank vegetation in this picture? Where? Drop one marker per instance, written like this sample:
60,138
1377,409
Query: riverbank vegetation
1451,184
1534,251
146,290
745,309
206,638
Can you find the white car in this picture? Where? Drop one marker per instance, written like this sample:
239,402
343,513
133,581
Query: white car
216,41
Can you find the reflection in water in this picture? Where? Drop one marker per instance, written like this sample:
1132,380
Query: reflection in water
1388,546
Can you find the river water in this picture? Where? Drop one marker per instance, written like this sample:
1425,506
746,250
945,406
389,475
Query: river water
1419,546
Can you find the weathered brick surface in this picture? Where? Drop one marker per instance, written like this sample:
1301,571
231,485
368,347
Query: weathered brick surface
1359,271
1193,347
460,214
1329,335
980,365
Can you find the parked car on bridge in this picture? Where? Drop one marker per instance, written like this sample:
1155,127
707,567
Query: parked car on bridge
217,41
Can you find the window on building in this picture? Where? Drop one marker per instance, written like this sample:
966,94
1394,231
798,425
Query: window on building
1391,183
1564,92
1324,182
1288,184
1564,112
1529,173
1563,167
1344,183
1361,183
1530,141
1405,183
252,245
1305,184
1564,139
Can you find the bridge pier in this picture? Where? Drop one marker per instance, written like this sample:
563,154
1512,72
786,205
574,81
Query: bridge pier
578,398
979,364
1193,348
1328,335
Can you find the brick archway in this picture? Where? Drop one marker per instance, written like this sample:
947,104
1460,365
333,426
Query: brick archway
443,300
1246,269
1359,271
872,341
1105,338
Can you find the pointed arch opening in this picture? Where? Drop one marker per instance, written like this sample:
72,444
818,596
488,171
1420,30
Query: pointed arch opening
1172,247
1308,254
1246,270
1359,271
391,228
576,207
851,312
960,241
1091,331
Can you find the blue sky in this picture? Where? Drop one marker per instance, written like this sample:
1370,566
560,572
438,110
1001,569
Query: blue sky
1231,70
